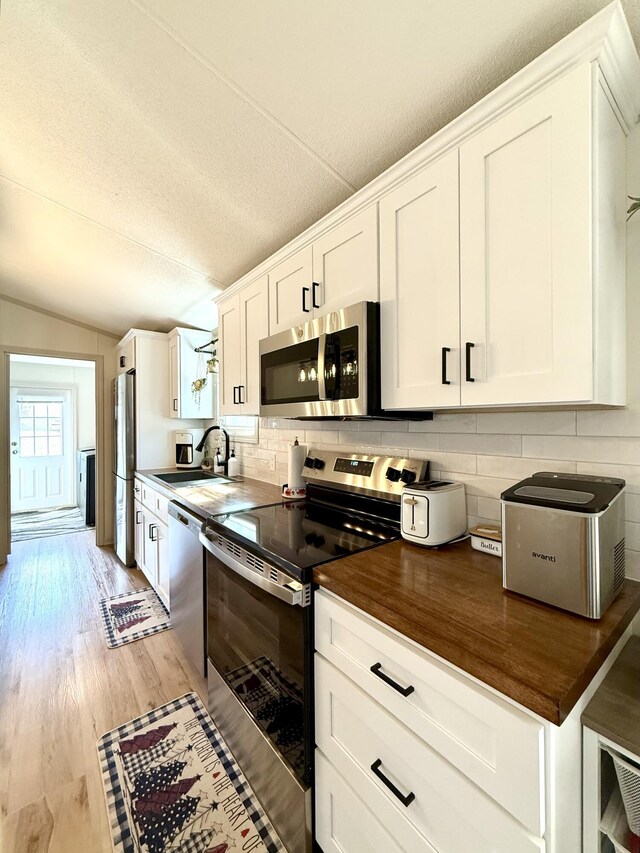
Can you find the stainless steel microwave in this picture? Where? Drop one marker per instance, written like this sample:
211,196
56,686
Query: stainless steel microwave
326,368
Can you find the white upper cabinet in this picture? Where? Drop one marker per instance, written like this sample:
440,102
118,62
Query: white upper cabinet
185,367
419,289
244,321
527,287
339,269
345,264
290,291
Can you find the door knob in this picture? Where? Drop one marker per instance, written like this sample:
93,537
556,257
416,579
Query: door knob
14,452
14,444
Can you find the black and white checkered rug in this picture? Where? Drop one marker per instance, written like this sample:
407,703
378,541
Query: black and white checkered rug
172,786
132,616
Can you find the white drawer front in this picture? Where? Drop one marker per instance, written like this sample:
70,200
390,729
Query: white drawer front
447,809
344,824
161,507
494,744
137,489
148,497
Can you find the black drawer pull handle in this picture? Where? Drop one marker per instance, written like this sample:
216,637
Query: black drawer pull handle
445,350
313,295
469,346
240,390
235,393
406,801
138,517
306,310
376,669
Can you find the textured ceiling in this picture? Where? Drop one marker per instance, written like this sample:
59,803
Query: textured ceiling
152,151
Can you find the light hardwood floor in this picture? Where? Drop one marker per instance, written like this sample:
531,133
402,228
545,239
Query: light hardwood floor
61,688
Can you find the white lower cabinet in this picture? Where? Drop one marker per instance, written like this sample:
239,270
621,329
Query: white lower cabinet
151,539
414,755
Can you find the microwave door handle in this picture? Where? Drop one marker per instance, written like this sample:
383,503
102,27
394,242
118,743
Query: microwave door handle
289,596
322,386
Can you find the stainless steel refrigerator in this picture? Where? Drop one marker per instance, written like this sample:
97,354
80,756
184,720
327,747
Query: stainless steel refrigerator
124,466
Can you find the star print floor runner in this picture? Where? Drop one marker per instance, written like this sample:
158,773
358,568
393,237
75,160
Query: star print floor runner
133,615
172,786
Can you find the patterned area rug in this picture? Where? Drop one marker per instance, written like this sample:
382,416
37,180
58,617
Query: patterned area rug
132,616
276,704
49,522
172,786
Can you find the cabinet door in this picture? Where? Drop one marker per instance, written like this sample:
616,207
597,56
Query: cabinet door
525,250
138,532
174,378
162,552
254,322
345,263
126,356
290,291
230,365
419,289
149,563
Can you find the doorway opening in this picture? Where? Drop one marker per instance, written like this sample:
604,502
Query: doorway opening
52,434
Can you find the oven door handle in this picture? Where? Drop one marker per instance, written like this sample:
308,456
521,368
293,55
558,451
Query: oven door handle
284,593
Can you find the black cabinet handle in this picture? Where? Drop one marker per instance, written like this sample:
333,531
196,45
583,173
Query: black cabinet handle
240,392
313,294
175,404
468,347
376,669
306,310
445,350
406,801
151,536
138,517
235,395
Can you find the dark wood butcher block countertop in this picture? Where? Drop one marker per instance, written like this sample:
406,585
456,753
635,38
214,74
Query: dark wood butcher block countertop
614,709
211,498
451,602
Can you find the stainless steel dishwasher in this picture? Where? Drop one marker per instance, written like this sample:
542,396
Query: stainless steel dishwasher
187,584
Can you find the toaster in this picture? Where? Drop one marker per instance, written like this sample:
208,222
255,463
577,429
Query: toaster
563,540
433,512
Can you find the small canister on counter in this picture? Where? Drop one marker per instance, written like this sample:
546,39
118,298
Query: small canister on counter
487,538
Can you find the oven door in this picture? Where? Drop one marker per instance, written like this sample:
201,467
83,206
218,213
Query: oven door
321,369
259,640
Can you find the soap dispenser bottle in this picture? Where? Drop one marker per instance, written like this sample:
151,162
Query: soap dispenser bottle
233,468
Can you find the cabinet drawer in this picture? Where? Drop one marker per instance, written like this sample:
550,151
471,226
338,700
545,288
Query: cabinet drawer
161,506
148,497
496,746
357,735
344,823
137,489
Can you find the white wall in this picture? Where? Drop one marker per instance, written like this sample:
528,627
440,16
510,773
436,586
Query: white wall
489,452
82,380
22,328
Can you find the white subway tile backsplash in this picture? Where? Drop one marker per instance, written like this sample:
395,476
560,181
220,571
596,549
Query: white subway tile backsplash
623,451
461,463
613,422
481,487
463,422
489,508
632,535
632,507
512,466
528,423
384,426
504,445
370,438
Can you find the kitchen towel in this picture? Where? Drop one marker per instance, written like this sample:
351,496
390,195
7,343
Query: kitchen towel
297,454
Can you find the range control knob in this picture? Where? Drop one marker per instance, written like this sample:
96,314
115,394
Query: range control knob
393,474
319,464
407,476
308,462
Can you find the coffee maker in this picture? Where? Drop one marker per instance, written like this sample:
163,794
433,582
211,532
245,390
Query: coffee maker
186,442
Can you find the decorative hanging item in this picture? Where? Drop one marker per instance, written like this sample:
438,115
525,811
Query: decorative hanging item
200,382
212,363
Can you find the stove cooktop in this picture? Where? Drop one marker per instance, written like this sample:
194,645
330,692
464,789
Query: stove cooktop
300,535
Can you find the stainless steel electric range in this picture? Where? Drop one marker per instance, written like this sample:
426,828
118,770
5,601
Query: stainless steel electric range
260,618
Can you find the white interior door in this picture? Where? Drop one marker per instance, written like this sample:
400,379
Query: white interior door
42,448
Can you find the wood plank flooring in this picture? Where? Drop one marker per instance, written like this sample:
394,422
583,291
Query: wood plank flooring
61,688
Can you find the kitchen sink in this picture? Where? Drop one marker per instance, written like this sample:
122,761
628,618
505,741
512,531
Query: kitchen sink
175,477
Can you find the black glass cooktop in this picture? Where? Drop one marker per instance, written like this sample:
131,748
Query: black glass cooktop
299,535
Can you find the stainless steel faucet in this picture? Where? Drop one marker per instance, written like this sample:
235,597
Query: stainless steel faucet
200,447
